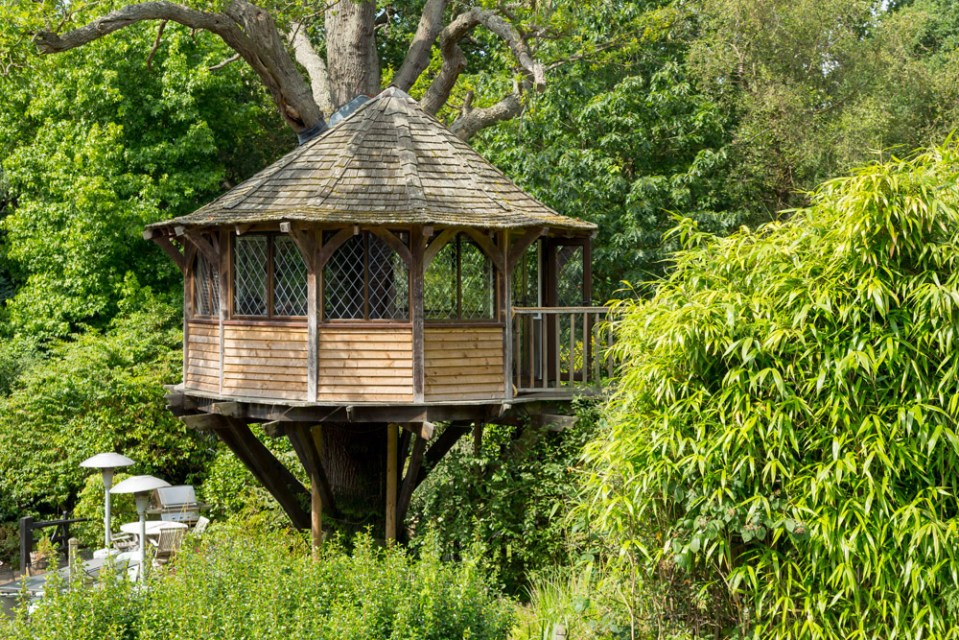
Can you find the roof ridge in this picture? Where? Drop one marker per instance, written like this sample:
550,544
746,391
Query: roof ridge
409,162
346,156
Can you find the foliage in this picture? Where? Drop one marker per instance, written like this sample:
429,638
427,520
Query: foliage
95,144
511,495
99,392
233,493
90,504
242,584
784,433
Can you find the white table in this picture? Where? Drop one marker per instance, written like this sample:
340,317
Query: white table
153,527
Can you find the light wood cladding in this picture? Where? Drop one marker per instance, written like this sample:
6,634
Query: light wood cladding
464,363
203,364
365,364
265,361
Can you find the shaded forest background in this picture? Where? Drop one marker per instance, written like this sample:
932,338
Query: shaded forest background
727,112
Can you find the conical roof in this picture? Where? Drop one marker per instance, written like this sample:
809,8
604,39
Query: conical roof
387,163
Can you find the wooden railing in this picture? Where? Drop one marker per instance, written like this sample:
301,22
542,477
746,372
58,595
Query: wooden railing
560,348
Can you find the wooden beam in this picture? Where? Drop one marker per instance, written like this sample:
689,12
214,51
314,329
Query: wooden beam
397,245
328,248
421,429
178,258
304,241
438,451
241,229
271,473
519,246
203,422
204,245
409,482
302,438
391,471
438,243
494,253
227,409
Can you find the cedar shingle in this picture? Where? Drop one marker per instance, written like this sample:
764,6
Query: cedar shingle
387,163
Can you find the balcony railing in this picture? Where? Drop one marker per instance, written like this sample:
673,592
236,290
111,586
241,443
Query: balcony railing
561,348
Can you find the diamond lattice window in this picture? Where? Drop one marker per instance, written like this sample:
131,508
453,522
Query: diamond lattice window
365,279
206,288
459,283
289,278
250,265
269,277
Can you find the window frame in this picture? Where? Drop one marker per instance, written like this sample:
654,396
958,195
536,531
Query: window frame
270,276
366,321
195,283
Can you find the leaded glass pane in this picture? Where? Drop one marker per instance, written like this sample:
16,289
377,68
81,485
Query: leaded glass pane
476,283
439,285
289,278
343,281
249,276
206,281
388,281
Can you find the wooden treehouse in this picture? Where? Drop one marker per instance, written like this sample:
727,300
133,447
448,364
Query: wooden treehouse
380,278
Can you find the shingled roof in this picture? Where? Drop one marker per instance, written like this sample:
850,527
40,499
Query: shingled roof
387,163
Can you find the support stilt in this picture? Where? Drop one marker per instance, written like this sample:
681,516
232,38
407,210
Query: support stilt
391,476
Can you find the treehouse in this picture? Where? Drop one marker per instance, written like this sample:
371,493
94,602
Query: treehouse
380,278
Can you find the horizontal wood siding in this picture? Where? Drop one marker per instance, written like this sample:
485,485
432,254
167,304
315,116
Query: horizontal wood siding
265,361
203,357
366,364
464,364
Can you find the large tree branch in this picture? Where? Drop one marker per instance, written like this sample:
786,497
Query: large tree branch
418,55
246,28
315,67
472,120
454,62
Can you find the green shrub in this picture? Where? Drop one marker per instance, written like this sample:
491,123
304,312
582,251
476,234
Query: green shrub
513,496
784,436
237,583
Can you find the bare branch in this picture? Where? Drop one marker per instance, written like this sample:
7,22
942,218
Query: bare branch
156,45
315,67
224,63
418,55
454,61
246,28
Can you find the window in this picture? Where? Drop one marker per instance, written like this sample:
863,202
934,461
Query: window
269,277
206,288
460,283
366,280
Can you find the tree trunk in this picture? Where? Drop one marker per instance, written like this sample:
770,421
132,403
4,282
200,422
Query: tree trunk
354,458
351,57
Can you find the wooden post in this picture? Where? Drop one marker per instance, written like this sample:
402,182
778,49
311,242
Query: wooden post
312,325
391,471
506,311
316,494
224,292
417,274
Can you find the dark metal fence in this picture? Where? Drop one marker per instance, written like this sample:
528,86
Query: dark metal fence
60,537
